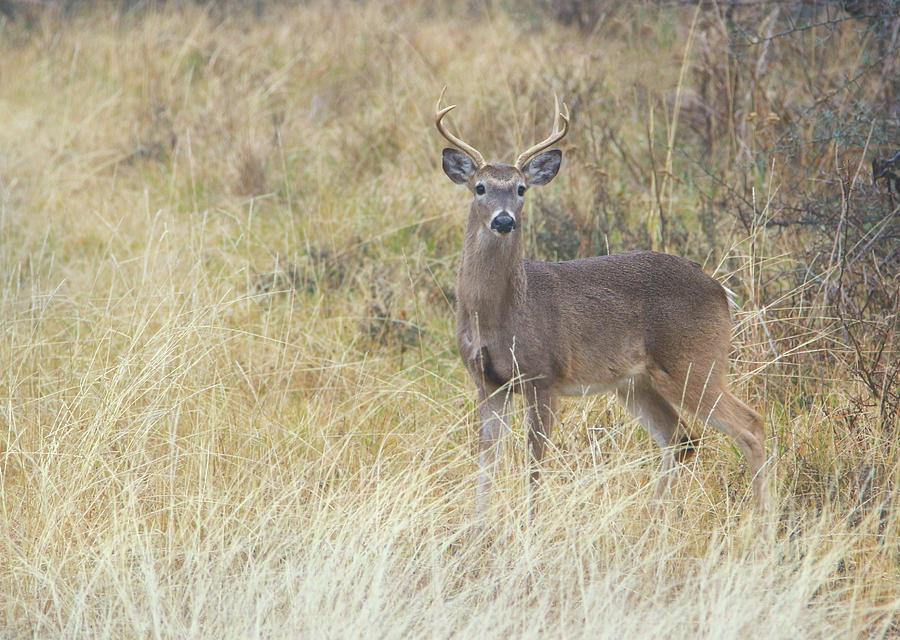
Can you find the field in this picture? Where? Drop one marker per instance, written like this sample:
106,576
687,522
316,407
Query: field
232,403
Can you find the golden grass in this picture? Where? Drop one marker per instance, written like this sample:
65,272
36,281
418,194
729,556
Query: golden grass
231,401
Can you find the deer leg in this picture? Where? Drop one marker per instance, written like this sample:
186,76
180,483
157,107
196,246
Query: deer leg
708,398
541,406
492,414
745,426
661,421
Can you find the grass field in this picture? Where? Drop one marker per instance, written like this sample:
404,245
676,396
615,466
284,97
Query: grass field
232,405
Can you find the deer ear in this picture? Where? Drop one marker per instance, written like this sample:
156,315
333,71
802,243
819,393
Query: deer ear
543,168
458,166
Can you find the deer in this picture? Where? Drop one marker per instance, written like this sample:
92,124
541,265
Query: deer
652,328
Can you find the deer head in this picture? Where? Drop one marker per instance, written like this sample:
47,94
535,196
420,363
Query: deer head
499,189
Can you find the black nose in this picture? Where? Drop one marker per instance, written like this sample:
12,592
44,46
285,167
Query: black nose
503,224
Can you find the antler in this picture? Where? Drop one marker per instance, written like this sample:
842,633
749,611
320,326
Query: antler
468,149
557,134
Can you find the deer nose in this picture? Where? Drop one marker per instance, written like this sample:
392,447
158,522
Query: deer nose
503,223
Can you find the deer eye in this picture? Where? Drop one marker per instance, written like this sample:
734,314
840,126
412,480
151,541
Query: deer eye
521,190
479,189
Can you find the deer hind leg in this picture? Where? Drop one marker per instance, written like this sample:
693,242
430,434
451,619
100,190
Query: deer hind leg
707,397
661,421
493,414
736,419
541,407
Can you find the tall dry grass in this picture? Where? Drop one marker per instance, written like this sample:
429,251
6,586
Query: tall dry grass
231,401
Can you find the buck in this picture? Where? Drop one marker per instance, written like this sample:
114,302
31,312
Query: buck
652,328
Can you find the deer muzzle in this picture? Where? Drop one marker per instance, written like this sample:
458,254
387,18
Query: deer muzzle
503,223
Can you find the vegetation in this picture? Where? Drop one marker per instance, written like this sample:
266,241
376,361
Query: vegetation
231,400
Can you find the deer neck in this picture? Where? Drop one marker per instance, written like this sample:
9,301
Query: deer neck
491,284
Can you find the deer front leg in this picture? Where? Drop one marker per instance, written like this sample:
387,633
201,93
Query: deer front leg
492,416
541,406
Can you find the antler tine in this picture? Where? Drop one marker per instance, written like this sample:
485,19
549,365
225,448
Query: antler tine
555,136
468,149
